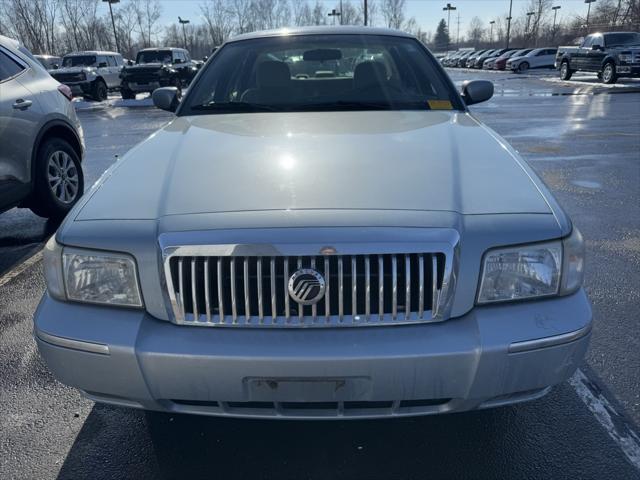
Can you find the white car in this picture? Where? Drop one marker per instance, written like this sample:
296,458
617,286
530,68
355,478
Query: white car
536,58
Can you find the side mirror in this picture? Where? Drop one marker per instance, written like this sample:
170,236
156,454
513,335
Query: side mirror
102,65
130,63
177,60
166,98
596,47
56,66
205,58
476,91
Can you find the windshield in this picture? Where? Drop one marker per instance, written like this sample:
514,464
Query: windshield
630,38
154,56
79,61
321,72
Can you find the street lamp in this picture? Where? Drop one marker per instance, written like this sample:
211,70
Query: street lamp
184,34
555,15
113,23
492,22
509,22
448,9
334,13
588,2
526,30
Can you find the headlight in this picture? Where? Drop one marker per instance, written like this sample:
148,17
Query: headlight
625,57
91,276
530,271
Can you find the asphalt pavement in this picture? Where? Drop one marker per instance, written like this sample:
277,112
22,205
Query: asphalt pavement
581,137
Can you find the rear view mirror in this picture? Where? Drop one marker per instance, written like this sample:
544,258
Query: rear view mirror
322,55
166,98
476,91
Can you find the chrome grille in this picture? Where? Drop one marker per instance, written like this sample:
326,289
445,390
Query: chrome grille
377,289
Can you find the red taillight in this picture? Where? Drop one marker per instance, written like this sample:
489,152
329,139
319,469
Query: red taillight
66,91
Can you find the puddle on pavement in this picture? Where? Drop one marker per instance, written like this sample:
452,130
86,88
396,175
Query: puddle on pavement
587,184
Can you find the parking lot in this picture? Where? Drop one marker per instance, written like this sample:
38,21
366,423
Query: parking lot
580,136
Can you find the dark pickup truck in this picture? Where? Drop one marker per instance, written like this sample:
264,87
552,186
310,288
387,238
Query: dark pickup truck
611,54
158,67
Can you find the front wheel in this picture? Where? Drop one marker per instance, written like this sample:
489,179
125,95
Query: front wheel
609,75
99,91
127,94
523,67
58,182
565,71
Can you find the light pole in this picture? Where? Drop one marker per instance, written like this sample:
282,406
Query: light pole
184,34
526,30
334,13
555,15
113,23
366,10
448,9
492,22
509,22
588,2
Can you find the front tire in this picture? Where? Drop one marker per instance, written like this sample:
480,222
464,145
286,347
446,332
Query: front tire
99,91
565,71
609,75
127,94
58,182
523,67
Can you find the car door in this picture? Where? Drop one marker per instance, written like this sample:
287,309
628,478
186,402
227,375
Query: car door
19,116
582,52
595,57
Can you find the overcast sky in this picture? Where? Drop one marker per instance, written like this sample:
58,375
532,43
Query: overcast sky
427,12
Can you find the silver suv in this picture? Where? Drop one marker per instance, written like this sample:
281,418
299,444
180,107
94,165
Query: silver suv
90,74
40,135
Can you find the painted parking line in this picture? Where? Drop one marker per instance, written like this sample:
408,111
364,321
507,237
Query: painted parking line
605,413
16,271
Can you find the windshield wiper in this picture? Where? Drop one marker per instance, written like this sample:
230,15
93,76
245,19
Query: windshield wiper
353,105
231,107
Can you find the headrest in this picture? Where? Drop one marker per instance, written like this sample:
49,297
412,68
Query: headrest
273,74
369,74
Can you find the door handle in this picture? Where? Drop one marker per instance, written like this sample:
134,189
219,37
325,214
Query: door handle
22,104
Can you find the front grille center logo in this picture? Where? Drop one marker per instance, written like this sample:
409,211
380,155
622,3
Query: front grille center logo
307,286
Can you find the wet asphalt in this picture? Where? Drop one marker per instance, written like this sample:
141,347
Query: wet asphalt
581,138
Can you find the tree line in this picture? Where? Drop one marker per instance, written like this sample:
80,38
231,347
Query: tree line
61,26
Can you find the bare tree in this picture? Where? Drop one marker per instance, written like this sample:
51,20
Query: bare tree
475,31
350,15
318,14
218,15
148,12
393,13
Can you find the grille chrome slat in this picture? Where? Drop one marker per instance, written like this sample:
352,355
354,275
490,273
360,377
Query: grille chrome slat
247,290
394,286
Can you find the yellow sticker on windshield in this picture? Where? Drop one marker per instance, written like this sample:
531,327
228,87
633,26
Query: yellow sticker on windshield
440,105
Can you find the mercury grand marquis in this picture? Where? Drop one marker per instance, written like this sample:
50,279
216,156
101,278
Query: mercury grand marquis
323,230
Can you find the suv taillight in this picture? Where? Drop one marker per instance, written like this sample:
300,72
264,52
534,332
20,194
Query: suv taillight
66,91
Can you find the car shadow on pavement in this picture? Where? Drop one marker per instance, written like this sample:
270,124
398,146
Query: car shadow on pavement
553,437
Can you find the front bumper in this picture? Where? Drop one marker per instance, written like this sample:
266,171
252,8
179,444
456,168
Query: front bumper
494,355
628,70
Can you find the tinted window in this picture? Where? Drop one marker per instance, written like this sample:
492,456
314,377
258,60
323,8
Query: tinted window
154,56
628,38
318,73
79,61
111,61
119,60
588,42
8,67
598,40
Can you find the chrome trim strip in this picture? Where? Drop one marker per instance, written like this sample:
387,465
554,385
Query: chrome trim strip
367,293
354,288
194,296
407,283
314,307
421,285
553,341
81,345
220,292
327,292
207,287
394,287
272,273
340,289
247,288
435,293
234,306
259,277
381,287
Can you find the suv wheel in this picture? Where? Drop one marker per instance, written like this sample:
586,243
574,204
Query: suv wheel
609,75
565,71
99,91
127,94
58,182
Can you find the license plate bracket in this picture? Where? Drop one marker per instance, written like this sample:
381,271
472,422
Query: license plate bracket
308,389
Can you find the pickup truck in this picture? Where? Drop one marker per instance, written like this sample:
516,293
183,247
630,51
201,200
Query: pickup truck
611,55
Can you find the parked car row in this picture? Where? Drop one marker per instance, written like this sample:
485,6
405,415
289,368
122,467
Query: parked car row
93,74
514,59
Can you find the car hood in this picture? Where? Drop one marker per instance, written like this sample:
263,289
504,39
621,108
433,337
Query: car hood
402,160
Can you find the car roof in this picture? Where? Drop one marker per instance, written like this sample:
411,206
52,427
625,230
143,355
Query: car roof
90,52
155,49
321,30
